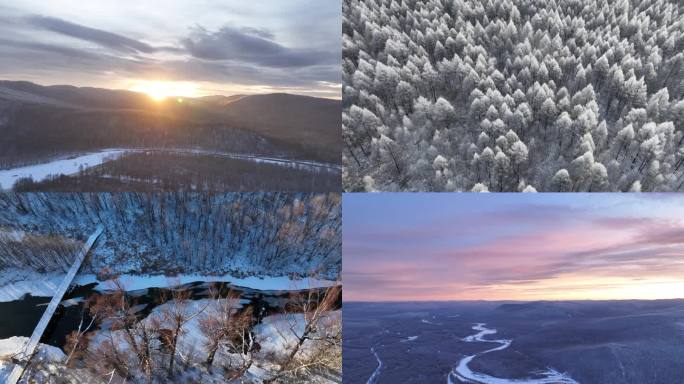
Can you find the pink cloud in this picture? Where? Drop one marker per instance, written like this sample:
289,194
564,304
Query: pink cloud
626,247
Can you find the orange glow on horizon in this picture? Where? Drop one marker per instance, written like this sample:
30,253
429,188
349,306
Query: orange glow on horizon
408,247
161,90
560,288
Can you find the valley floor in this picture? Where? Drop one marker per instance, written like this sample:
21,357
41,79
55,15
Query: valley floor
153,168
602,342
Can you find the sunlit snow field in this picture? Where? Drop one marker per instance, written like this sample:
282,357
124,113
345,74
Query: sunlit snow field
76,163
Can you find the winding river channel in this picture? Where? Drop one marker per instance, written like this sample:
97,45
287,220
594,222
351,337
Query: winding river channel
464,374
70,165
376,373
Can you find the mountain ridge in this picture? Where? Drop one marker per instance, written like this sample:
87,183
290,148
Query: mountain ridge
43,121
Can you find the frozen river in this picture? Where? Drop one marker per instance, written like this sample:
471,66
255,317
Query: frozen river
464,374
73,164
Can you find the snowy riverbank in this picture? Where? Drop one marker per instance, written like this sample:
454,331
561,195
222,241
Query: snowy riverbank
61,166
73,164
15,283
13,346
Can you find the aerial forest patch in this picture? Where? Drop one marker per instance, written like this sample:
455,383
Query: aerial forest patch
512,95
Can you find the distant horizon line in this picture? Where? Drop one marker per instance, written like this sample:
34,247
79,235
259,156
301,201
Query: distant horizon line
171,96
496,301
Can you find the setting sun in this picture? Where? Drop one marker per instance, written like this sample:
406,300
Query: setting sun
161,90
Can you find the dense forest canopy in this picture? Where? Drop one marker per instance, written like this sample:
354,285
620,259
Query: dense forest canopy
513,95
276,234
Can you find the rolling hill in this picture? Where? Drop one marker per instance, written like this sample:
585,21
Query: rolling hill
38,122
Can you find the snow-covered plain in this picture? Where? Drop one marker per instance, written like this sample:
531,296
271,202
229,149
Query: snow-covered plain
463,372
61,166
73,164
16,282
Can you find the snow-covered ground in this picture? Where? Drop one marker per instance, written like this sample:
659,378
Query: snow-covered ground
16,282
62,166
14,345
410,338
277,334
268,283
47,365
72,165
11,234
273,335
463,372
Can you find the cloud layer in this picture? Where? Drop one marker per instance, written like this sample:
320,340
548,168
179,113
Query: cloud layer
104,38
527,248
253,46
261,48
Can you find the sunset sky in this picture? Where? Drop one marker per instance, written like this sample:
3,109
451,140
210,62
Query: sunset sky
512,246
190,47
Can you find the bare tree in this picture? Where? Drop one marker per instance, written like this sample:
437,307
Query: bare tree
177,312
226,326
308,319
127,345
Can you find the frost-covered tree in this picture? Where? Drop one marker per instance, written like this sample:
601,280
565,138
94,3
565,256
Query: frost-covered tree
242,233
593,93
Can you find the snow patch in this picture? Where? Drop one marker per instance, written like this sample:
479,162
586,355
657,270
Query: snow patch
73,164
374,377
267,283
62,166
14,345
17,282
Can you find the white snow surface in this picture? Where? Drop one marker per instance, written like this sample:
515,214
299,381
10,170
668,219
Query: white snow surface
273,334
267,283
276,332
191,341
13,345
61,166
374,377
11,234
463,372
17,282
72,164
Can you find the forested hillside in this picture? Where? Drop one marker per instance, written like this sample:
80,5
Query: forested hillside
513,95
275,234
39,122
